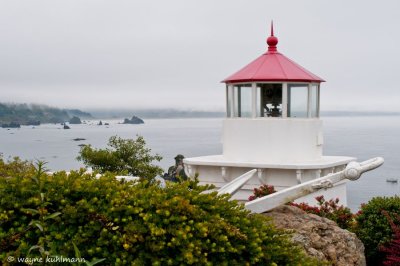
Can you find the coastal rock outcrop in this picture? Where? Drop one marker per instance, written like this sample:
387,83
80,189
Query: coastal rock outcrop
320,237
133,120
75,120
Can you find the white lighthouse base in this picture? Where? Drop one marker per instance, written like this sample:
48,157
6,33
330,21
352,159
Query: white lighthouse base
218,170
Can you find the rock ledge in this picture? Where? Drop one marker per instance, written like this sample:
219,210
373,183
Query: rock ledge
320,237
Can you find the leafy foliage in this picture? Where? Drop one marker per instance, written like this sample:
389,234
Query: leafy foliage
15,167
262,191
135,223
392,249
124,156
330,210
374,229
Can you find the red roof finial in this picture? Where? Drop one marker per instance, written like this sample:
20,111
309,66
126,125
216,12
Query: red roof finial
272,41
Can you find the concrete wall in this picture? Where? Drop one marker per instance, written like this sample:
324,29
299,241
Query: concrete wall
272,139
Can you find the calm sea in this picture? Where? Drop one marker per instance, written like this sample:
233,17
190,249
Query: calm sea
361,137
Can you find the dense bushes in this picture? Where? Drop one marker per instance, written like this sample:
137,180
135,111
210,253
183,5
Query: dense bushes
374,229
141,224
15,167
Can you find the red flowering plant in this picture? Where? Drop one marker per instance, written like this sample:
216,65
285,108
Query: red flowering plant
331,210
392,249
262,191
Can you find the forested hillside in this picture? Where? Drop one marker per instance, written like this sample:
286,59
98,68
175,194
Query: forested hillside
33,114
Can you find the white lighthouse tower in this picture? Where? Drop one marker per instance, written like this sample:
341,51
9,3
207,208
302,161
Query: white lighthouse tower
272,124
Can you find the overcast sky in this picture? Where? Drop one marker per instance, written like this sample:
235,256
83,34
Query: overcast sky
173,54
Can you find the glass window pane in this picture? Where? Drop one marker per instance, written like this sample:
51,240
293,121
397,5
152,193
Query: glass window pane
270,100
314,101
245,101
298,97
236,101
259,112
228,102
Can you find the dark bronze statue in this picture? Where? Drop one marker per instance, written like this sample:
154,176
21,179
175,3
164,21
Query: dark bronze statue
176,172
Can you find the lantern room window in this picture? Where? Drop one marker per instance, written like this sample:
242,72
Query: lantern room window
242,100
314,100
297,100
293,100
269,98
228,102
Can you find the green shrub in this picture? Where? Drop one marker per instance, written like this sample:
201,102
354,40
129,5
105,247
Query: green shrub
15,167
139,224
374,229
123,156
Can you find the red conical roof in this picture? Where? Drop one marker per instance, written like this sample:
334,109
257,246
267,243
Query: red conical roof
273,66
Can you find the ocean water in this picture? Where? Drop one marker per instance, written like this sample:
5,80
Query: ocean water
365,138
361,137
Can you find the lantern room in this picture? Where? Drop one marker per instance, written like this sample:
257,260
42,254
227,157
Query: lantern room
273,86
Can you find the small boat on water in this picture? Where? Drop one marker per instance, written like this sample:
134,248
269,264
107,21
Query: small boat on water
392,180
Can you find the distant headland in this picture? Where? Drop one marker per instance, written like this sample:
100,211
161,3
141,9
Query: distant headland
14,115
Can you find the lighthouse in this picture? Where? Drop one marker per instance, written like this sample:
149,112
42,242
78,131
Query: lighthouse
272,125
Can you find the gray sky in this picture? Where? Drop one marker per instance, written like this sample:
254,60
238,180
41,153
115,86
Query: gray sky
151,54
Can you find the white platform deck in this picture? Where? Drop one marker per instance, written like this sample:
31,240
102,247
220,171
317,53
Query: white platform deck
220,160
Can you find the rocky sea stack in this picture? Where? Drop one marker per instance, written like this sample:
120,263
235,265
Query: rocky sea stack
133,120
75,120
